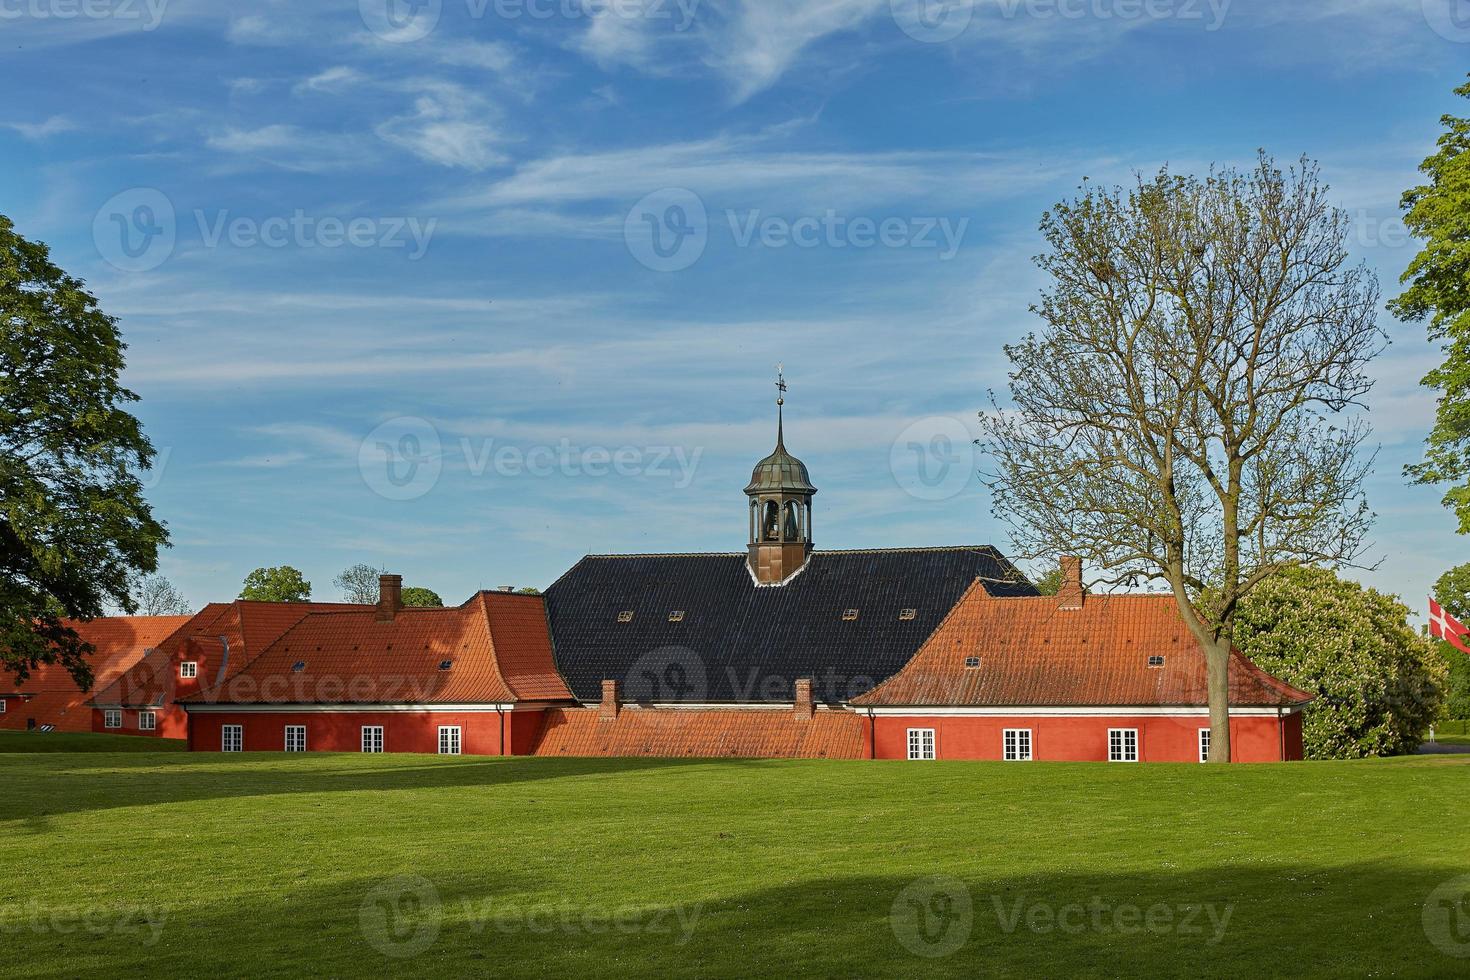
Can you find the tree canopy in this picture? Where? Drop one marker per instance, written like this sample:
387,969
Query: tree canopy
75,529
415,595
278,584
157,596
1182,416
358,583
1379,682
1438,279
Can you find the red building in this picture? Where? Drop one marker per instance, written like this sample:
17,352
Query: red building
777,651
50,697
203,650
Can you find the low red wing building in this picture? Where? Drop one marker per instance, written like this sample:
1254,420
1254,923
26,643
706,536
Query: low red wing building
50,697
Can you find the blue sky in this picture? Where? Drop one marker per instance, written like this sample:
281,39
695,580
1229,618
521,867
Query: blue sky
339,239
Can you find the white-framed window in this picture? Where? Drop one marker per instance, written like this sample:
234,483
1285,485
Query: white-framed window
372,738
921,743
147,721
112,718
1122,745
232,738
449,740
1204,745
1017,743
2,705
189,668
295,738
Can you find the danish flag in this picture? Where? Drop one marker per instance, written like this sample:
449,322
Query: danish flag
1446,627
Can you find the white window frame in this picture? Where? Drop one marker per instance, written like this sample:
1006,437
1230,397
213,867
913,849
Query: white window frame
450,739
1204,745
372,738
1015,744
1122,755
188,669
3,703
922,744
147,721
112,718
299,731
226,740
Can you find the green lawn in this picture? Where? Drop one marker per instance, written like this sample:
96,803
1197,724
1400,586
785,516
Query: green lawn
285,865
84,742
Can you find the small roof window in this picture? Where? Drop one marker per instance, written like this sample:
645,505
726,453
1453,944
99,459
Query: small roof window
298,666
848,615
676,616
972,662
445,664
626,616
1156,661
907,614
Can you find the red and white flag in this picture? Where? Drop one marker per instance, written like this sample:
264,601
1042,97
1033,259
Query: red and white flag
1446,627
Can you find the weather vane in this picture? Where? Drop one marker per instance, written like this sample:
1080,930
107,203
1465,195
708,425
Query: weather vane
781,384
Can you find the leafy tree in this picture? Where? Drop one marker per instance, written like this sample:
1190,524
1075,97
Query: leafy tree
359,583
1438,279
75,530
1173,420
1453,592
416,595
279,584
528,590
158,597
1379,683
1050,583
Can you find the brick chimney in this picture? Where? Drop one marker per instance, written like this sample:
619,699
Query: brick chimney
803,708
390,597
608,710
1070,594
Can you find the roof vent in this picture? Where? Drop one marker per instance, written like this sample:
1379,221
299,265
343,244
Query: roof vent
907,614
1156,661
677,616
626,616
445,664
972,662
298,666
848,615
505,588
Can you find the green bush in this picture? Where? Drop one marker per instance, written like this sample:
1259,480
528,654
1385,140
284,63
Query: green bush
1379,683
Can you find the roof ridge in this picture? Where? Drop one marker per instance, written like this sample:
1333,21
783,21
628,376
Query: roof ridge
815,552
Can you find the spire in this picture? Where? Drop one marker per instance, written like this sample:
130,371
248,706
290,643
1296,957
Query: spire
780,401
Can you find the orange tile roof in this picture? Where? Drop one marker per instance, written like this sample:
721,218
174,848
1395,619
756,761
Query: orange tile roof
249,627
119,643
702,733
1033,653
498,645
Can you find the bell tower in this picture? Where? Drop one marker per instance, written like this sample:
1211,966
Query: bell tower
780,493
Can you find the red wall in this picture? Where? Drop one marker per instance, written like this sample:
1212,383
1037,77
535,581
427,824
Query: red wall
1161,738
170,720
341,731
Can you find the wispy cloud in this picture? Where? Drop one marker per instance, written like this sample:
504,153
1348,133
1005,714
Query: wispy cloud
42,130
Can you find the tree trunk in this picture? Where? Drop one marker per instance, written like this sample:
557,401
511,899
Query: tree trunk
1217,658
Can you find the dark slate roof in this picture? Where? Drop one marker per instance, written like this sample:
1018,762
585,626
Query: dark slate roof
737,642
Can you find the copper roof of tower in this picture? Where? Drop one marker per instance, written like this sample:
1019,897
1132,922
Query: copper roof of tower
780,471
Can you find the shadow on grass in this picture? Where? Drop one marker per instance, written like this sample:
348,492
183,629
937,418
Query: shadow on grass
47,785
1223,921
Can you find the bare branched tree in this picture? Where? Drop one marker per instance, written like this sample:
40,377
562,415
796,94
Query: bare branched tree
158,597
1189,413
359,583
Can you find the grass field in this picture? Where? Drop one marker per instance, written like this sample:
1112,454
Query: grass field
340,865
84,742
